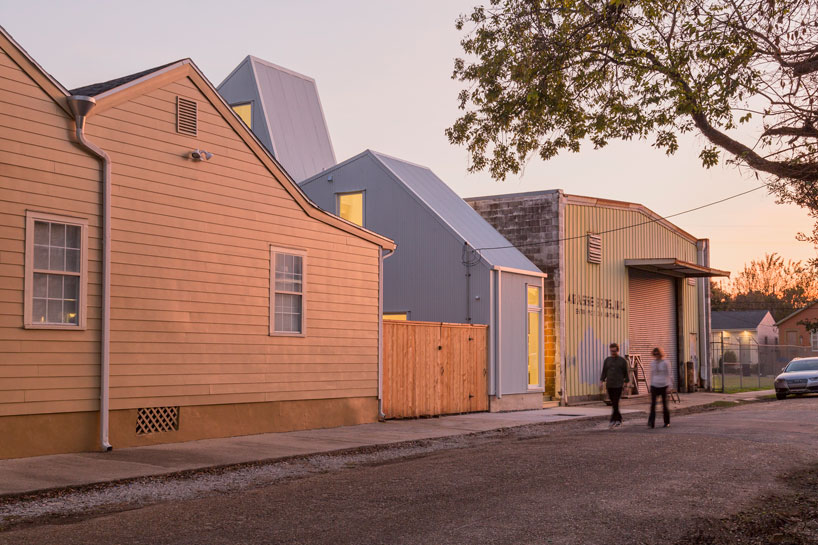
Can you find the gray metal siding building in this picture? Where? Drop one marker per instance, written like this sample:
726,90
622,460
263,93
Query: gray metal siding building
284,111
438,272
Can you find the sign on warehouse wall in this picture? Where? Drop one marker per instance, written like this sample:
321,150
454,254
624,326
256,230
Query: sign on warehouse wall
589,305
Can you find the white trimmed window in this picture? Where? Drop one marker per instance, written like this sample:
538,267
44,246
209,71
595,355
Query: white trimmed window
287,288
56,271
813,337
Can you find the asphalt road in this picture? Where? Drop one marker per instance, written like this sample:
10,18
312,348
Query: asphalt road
580,484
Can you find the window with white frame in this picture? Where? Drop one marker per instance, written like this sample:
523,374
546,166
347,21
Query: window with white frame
56,271
813,337
287,312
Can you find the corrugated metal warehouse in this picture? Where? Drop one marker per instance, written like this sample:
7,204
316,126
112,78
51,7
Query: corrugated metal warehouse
618,272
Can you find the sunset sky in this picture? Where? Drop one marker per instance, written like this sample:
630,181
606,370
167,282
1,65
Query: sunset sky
383,71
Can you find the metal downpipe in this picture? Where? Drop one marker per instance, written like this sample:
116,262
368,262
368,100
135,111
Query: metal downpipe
80,107
381,257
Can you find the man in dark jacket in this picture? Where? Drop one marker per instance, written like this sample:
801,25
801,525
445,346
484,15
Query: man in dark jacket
615,376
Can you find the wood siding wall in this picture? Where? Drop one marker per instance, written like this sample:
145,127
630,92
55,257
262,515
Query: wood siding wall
43,371
434,368
190,265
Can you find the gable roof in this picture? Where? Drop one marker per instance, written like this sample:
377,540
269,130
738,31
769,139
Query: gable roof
595,202
32,68
292,124
452,211
796,313
187,68
95,89
122,89
737,319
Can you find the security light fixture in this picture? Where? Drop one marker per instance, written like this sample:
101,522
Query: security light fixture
200,155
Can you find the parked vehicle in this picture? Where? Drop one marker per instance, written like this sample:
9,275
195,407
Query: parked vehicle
800,376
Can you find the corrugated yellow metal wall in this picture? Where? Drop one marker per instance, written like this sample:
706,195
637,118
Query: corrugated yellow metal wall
596,306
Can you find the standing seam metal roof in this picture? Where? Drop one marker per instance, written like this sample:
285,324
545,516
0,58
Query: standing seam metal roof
461,218
295,119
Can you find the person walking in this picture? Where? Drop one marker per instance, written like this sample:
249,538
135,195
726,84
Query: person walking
659,384
615,376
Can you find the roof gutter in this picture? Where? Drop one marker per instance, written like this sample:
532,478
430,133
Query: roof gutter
80,107
525,272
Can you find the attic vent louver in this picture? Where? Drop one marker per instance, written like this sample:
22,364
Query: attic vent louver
594,248
187,116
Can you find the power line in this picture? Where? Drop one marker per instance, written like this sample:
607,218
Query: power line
653,220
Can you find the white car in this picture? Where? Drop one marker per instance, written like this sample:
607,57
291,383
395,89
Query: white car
800,376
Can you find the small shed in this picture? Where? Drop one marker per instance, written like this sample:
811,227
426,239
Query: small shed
450,265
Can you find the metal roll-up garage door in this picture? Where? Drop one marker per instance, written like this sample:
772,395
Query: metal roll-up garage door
652,319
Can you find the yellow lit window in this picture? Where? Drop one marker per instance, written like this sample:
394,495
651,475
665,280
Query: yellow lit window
245,112
395,316
533,296
351,207
534,334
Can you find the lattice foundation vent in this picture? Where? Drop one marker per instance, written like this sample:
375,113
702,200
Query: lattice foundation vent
157,419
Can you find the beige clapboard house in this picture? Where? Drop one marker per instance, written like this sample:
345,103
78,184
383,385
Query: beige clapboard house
235,305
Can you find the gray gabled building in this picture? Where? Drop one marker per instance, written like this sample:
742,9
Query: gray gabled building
450,265
284,111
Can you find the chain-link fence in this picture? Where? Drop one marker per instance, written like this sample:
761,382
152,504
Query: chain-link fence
747,365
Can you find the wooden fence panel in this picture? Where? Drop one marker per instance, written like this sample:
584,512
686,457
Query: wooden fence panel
431,368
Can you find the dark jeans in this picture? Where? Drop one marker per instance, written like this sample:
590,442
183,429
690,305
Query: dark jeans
615,394
654,393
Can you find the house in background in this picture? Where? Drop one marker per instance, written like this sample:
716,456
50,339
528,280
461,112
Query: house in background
793,334
162,278
750,334
617,272
450,265
756,326
284,111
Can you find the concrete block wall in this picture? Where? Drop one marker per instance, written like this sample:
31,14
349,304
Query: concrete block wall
531,222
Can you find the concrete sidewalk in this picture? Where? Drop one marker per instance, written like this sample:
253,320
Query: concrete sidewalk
27,475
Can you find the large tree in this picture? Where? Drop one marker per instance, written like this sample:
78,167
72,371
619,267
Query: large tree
545,76
771,283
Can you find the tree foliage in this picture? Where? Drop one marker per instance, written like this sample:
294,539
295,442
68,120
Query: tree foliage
546,76
809,324
772,283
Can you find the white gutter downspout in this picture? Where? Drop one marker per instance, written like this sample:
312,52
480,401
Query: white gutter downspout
492,332
80,107
381,257
498,332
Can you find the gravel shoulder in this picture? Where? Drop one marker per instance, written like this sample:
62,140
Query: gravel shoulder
572,483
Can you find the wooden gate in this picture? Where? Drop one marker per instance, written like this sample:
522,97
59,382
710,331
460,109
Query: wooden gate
432,368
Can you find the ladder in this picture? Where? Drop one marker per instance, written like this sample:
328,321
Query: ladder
637,374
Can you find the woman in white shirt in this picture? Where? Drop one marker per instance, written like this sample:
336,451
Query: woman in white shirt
659,384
